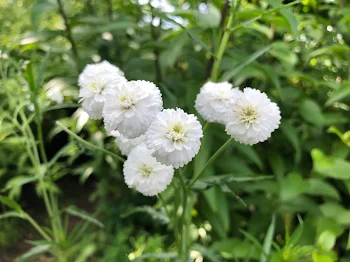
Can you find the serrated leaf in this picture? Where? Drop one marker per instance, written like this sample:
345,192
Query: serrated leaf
74,211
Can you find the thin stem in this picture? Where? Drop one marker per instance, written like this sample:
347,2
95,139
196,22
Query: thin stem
164,205
110,9
211,160
183,220
223,43
68,30
50,211
37,227
156,51
88,144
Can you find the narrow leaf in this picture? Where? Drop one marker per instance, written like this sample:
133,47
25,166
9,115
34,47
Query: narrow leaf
33,252
232,73
74,211
11,203
268,240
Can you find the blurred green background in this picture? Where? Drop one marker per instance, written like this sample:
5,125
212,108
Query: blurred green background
299,55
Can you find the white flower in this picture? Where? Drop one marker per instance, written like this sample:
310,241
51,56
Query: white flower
92,82
174,136
214,99
131,107
54,93
145,174
252,118
126,145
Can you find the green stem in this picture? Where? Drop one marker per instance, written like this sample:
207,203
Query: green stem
37,227
223,43
183,224
164,205
211,160
88,144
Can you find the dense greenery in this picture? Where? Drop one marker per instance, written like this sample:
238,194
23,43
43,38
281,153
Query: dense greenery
286,199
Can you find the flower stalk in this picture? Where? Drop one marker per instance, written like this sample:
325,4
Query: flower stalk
224,41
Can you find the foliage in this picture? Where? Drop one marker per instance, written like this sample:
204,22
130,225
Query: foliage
282,200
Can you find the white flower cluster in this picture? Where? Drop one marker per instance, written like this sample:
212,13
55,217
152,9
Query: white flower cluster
250,117
155,140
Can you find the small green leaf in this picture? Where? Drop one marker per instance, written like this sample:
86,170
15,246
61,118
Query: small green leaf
33,252
156,215
326,240
339,94
11,203
232,73
330,166
319,187
268,240
74,211
337,212
292,186
311,112
11,214
287,15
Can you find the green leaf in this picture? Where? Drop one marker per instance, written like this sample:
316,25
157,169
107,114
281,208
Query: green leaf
250,152
330,166
39,8
337,212
319,187
284,53
206,253
11,214
330,50
311,112
339,94
210,19
226,189
268,240
326,240
296,236
74,211
11,203
235,248
292,135
232,73
208,182
86,252
292,186
345,138
33,252
156,215
255,241
158,256
288,16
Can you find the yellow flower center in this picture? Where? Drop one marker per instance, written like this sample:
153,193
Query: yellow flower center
146,170
249,115
176,132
